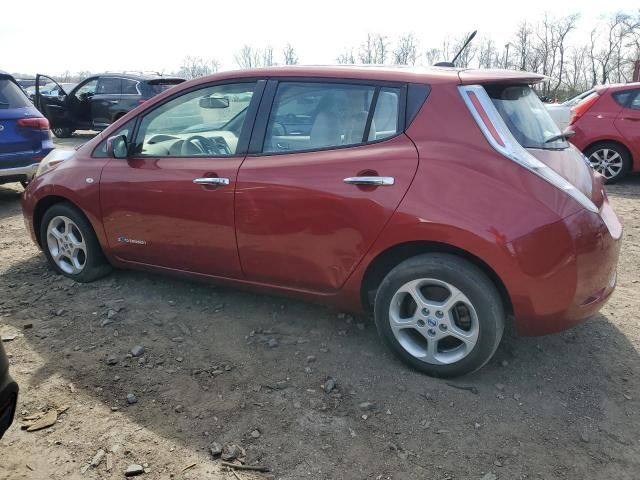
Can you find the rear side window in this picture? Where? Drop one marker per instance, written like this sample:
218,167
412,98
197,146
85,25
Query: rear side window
157,88
526,116
129,87
635,103
622,98
314,116
11,96
108,86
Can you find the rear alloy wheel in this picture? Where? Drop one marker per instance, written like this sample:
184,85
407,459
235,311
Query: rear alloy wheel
62,132
440,314
70,244
610,160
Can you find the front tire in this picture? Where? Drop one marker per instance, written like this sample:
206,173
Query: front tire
62,132
71,245
609,159
440,314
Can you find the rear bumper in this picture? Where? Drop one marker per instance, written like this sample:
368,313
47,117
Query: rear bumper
569,271
20,165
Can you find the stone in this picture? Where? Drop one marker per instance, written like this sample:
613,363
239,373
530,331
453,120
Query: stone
178,409
489,476
329,385
133,470
367,406
231,452
112,360
255,433
97,458
216,449
137,351
273,343
131,399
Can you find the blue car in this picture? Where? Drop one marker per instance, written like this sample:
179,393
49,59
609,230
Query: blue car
25,138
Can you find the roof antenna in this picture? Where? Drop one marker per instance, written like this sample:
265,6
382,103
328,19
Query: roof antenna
452,63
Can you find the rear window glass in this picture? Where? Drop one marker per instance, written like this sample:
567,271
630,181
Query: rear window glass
157,88
526,116
11,96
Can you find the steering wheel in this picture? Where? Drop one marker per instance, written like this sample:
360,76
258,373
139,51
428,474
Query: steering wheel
197,142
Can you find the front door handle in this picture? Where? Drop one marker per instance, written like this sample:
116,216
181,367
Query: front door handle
376,181
211,181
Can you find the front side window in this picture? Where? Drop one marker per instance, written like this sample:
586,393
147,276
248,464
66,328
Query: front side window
201,123
87,89
108,86
526,116
307,116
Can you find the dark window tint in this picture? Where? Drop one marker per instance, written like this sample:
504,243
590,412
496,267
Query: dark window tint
307,116
622,98
635,103
526,116
129,87
11,96
108,86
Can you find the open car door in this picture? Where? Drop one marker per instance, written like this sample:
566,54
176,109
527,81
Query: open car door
54,107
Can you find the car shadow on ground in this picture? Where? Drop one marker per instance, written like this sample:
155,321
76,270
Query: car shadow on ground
207,350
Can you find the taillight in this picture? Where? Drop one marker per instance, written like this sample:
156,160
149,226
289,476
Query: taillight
580,109
38,123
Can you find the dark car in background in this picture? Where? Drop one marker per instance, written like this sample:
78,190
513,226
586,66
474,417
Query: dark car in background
98,101
24,133
8,394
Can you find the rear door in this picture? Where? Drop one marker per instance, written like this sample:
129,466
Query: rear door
628,122
105,102
322,181
54,108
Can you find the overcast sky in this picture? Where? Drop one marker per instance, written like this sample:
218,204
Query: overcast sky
75,35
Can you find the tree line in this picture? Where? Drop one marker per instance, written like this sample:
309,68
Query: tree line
548,46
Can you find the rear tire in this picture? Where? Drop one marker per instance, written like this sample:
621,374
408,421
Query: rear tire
609,159
62,132
71,245
440,314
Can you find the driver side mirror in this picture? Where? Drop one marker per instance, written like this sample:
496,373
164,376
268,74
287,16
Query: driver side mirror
118,147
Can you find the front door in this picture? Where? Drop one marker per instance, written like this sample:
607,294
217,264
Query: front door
172,203
628,122
330,167
53,107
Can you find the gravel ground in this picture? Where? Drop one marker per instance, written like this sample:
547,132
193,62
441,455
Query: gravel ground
209,367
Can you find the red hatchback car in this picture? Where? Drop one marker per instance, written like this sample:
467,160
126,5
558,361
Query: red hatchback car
443,200
606,127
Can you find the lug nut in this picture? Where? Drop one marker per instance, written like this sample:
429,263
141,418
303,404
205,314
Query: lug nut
425,311
431,332
439,314
420,323
443,327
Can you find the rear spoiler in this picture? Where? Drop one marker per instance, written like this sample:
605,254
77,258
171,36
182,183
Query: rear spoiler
165,81
477,76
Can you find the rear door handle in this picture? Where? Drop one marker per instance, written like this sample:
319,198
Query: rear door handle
378,181
211,181
633,119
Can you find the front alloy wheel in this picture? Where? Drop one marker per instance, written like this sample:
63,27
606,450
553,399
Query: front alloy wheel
66,245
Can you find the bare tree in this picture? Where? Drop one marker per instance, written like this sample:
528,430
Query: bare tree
290,56
406,51
432,55
367,52
193,67
487,54
380,49
346,58
250,57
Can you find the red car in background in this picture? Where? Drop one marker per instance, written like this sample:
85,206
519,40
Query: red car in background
442,200
606,126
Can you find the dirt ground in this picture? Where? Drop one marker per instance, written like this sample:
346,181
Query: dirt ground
231,367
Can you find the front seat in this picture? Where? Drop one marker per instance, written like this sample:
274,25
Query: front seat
325,131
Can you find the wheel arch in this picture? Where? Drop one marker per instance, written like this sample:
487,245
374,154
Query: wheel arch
44,204
386,260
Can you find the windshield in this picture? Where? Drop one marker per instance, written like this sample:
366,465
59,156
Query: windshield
11,95
526,117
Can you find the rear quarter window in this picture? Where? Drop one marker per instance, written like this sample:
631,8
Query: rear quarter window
622,98
11,95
